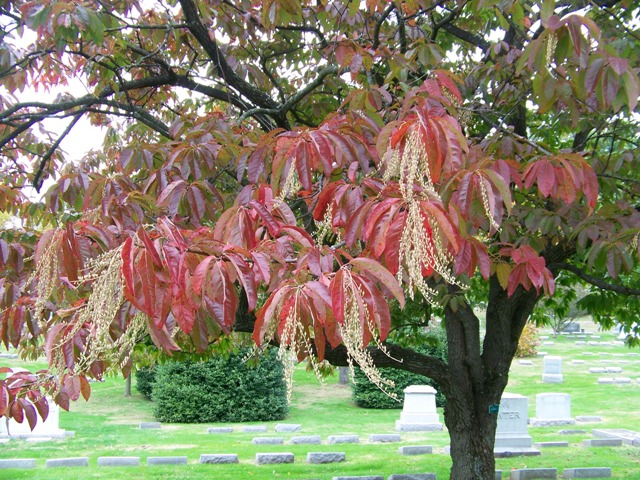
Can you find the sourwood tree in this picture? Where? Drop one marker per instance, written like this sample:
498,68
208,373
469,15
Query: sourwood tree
292,168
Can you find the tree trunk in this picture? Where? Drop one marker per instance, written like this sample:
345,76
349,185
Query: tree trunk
479,376
343,373
472,442
127,386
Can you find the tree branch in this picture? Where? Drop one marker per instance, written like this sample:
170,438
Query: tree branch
305,28
378,25
468,37
256,96
37,177
599,282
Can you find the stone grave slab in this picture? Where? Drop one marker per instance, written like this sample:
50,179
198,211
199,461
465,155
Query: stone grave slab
274,458
413,476
268,441
550,444
67,462
306,439
533,473
253,428
118,461
361,477
415,450
588,418
218,458
627,436
602,442
176,460
325,457
18,463
145,425
589,472
288,427
333,439
384,438
220,430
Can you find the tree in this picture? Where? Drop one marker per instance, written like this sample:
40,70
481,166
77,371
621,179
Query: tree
292,168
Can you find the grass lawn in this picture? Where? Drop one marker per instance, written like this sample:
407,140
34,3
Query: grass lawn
108,426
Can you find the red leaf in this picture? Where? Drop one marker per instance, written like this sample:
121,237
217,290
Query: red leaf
270,222
62,399
16,411
72,387
380,274
336,288
4,398
200,274
267,312
246,278
30,413
42,405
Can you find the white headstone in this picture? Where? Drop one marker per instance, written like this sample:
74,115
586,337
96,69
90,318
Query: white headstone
512,433
50,428
552,372
419,410
553,409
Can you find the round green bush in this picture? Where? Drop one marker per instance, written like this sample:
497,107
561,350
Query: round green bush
220,390
145,377
368,395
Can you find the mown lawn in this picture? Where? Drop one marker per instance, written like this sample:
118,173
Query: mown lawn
108,426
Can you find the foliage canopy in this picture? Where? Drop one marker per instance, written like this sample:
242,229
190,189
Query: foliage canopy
289,168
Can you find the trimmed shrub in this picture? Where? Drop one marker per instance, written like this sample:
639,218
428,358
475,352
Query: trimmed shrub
220,390
528,343
368,395
145,377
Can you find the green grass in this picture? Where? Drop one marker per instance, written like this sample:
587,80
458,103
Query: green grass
108,426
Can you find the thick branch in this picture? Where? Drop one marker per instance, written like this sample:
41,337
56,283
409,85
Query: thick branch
210,46
468,37
378,25
599,282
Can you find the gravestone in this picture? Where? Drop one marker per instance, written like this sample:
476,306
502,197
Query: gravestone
552,372
587,472
572,327
419,410
48,429
552,409
512,435
627,436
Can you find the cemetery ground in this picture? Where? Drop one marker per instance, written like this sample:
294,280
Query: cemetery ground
108,425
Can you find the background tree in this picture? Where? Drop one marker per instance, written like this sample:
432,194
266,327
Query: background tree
289,168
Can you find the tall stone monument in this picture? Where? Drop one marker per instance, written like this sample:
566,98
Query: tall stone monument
512,433
419,410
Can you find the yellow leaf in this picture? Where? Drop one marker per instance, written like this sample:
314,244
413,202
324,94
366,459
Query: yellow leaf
503,270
